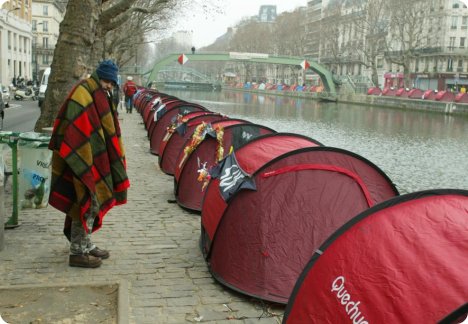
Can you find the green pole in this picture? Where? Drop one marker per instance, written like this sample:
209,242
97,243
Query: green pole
13,221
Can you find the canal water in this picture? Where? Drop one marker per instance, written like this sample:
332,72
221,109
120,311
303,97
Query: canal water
417,150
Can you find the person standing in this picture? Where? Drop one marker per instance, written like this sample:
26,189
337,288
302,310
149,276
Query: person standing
129,89
88,163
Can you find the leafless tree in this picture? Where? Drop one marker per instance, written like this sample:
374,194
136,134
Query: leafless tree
330,38
289,37
407,32
372,23
87,32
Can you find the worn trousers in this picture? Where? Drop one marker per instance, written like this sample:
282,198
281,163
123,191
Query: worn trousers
80,239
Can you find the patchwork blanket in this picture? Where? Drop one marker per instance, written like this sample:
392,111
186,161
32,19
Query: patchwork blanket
88,163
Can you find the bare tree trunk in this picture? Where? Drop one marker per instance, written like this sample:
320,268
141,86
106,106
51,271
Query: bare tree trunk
72,56
375,75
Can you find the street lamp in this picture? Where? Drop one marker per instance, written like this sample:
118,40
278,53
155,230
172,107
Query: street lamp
8,12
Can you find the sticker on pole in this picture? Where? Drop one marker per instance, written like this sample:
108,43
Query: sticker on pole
182,59
305,65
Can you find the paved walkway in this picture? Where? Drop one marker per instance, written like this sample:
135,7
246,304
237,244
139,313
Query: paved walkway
154,250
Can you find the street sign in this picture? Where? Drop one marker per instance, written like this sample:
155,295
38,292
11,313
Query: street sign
305,65
182,59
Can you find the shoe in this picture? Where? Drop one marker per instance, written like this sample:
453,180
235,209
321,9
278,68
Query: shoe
84,261
98,253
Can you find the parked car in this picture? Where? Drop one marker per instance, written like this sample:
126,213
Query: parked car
5,95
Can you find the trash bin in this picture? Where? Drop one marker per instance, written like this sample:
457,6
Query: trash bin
35,170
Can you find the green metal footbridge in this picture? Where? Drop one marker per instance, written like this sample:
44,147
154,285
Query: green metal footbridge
324,74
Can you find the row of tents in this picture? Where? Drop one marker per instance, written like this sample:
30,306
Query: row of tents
415,93
287,219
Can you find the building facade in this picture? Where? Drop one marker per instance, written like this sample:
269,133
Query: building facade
267,13
438,59
15,41
46,18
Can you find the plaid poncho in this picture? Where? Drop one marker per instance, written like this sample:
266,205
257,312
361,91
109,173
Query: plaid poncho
88,163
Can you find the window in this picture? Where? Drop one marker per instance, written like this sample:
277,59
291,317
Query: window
45,59
452,44
45,10
454,22
464,24
449,65
380,63
34,26
462,42
45,42
9,39
45,26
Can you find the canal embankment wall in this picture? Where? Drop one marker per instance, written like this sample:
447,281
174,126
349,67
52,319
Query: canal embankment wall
450,108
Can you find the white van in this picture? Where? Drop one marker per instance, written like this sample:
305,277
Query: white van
43,85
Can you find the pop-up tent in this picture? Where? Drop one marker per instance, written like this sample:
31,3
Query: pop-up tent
175,142
143,96
402,261
178,126
163,117
150,102
191,173
259,241
168,160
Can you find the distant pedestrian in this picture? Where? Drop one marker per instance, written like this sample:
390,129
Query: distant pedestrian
193,49
88,163
129,89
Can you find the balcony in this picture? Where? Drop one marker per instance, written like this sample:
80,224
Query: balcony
41,50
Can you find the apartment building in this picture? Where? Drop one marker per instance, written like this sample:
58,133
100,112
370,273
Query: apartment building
46,18
437,60
15,40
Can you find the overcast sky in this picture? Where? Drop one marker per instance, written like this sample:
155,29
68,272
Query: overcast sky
207,27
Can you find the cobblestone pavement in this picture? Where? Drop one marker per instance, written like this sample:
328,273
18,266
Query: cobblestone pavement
154,249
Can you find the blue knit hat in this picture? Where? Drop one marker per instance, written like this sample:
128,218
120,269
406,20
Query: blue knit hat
108,70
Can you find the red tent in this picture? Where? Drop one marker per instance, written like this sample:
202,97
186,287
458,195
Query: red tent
161,104
402,261
143,96
402,92
429,94
445,96
260,240
168,160
189,182
462,98
148,103
389,92
163,117
172,144
415,93
374,91
179,126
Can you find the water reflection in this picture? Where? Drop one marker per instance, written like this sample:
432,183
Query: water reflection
417,150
